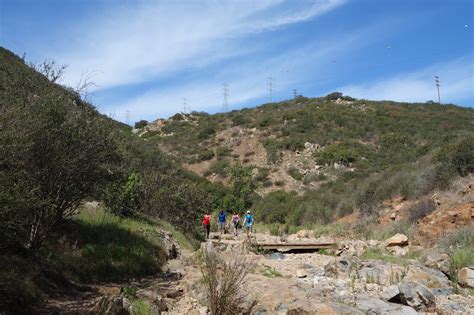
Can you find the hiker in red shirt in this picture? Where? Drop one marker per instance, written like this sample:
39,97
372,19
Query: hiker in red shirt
207,223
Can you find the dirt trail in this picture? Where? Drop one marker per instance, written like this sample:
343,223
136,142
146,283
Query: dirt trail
161,292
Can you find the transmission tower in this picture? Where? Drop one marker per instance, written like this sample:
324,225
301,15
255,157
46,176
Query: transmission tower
225,96
270,88
295,93
127,113
185,105
437,87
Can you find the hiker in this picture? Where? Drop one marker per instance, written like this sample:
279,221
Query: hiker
236,223
221,221
207,223
248,222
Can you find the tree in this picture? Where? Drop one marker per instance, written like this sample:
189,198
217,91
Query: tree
243,187
55,152
141,124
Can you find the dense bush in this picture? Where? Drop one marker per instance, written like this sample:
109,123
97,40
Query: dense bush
295,173
126,200
455,159
51,159
141,124
205,155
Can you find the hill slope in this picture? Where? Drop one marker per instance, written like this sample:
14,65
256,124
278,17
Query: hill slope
347,154
57,152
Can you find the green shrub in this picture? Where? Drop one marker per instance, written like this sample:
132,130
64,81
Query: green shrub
295,173
205,155
262,174
126,200
141,124
222,152
267,183
336,153
207,130
219,167
279,182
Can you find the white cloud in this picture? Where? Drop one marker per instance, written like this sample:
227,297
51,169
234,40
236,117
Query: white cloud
130,45
456,76
248,79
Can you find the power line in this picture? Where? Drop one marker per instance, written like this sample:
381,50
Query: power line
225,96
270,88
437,87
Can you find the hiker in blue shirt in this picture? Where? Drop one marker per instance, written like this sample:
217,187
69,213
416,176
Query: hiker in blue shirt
248,223
221,221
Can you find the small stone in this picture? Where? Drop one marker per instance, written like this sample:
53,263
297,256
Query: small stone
466,277
399,251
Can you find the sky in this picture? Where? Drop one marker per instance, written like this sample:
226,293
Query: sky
146,57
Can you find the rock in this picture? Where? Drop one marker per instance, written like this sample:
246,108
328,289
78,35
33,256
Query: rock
398,251
301,273
351,248
439,261
372,243
341,265
376,271
466,277
393,216
305,307
417,295
371,305
206,246
389,292
397,240
172,247
305,234
112,305
431,278
454,305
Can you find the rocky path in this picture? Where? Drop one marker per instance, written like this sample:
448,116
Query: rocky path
339,282
312,283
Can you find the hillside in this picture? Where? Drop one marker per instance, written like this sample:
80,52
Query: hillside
333,147
59,155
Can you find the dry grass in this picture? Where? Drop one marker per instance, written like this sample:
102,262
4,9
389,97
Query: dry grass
223,280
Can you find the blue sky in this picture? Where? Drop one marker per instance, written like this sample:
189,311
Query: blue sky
146,56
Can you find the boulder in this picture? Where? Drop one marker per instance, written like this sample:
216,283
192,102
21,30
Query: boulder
431,278
301,273
376,271
397,240
466,277
417,295
308,308
371,305
389,292
454,304
438,261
